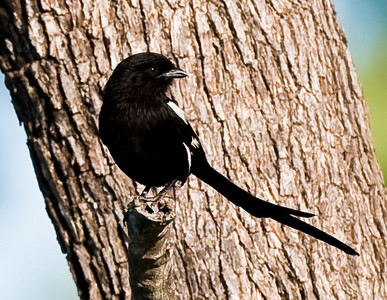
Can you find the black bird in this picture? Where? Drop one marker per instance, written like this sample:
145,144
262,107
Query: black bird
151,141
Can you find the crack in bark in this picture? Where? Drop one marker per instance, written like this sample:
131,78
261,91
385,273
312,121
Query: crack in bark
144,27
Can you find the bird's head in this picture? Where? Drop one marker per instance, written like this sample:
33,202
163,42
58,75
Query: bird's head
146,73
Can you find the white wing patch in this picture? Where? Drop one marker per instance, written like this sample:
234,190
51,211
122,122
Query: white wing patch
189,157
178,111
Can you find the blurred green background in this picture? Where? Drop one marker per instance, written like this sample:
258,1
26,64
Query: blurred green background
31,264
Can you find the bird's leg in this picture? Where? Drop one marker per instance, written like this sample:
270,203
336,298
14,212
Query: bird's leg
160,194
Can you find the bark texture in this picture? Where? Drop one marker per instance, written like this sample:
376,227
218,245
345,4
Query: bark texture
274,97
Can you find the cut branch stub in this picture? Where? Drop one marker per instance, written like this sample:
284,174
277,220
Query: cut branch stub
150,250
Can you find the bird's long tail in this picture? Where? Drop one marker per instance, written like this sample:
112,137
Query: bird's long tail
261,209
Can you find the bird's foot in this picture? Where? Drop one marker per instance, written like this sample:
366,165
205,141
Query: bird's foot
159,195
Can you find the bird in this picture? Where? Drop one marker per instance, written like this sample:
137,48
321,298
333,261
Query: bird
152,142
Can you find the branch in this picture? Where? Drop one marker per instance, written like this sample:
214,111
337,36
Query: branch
150,252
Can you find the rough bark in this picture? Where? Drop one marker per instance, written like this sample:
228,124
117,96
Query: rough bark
274,97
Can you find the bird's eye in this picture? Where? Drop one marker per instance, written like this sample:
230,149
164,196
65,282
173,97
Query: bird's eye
153,70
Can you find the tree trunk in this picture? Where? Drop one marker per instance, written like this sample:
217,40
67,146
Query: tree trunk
275,100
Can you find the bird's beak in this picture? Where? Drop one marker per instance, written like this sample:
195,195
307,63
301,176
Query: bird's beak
174,73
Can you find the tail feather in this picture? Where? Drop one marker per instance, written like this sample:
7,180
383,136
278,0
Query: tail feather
315,232
263,209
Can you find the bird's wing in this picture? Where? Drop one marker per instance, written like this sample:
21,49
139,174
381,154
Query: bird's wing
186,132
